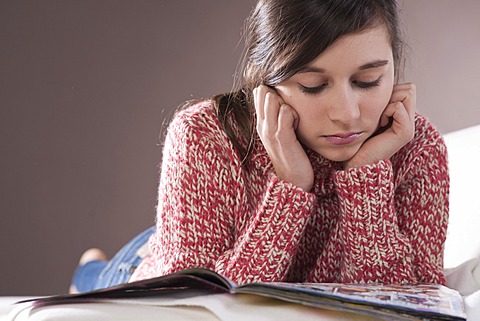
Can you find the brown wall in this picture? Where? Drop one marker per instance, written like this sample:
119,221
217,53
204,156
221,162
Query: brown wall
443,36
86,85
84,89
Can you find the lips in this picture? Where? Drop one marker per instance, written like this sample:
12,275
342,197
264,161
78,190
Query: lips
343,138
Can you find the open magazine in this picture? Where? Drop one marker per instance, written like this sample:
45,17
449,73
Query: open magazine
390,302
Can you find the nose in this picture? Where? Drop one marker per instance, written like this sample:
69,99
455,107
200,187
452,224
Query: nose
343,105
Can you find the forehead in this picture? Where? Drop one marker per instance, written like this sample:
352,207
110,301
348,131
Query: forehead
356,49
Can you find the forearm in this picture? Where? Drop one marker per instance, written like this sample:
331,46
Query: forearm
264,250
245,244
375,250
213,213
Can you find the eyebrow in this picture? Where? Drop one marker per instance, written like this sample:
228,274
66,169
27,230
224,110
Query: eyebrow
373,64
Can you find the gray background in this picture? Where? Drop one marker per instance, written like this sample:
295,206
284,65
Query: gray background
86,87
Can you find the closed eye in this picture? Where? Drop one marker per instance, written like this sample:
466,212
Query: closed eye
312,90
367,84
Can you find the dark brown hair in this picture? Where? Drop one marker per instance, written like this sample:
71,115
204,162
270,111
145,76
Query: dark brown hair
282,36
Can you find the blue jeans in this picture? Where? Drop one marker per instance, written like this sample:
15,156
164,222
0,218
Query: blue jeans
103,274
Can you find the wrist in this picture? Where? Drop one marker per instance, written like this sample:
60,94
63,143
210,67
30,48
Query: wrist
357,162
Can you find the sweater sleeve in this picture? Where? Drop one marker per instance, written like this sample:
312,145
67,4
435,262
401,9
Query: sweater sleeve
201,217
395,234
265,250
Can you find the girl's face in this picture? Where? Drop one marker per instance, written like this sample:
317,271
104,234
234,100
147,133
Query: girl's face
340,96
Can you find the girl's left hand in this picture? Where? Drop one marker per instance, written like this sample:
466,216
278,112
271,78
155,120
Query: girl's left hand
399,116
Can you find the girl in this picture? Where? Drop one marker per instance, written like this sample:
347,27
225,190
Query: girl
317,169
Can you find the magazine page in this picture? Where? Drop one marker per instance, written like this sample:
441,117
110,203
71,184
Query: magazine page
402,302
198,280
433,301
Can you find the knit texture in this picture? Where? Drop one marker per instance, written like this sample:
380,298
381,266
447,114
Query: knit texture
385,222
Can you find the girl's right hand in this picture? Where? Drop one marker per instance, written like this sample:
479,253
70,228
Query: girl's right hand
276,126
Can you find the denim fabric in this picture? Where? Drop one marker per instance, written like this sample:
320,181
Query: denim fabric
103,274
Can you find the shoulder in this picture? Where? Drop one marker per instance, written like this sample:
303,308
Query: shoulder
195,121
195,114
195,128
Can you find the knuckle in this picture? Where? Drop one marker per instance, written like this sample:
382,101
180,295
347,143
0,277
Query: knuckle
287,110
268,132
412,89
279,136
411,133
284,109
268,94
397,105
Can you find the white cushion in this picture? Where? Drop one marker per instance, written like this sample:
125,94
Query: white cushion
463,235
215,307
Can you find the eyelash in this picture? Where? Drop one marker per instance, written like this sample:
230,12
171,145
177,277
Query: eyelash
312,90
360,84
367,85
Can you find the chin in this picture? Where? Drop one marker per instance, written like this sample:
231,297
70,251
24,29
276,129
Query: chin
339,154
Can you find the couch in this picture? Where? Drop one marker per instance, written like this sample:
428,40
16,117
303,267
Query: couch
461,260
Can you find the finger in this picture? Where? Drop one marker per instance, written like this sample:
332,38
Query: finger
384,120
288,119
405,93
402,124
400,91
271,109
258,100
259,96
396,111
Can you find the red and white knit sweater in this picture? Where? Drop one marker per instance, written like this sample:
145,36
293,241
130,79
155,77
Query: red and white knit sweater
385,222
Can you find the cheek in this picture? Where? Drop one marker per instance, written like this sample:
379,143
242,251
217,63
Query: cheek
311,123
287,94
376,107
306,107
376,103
311,114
